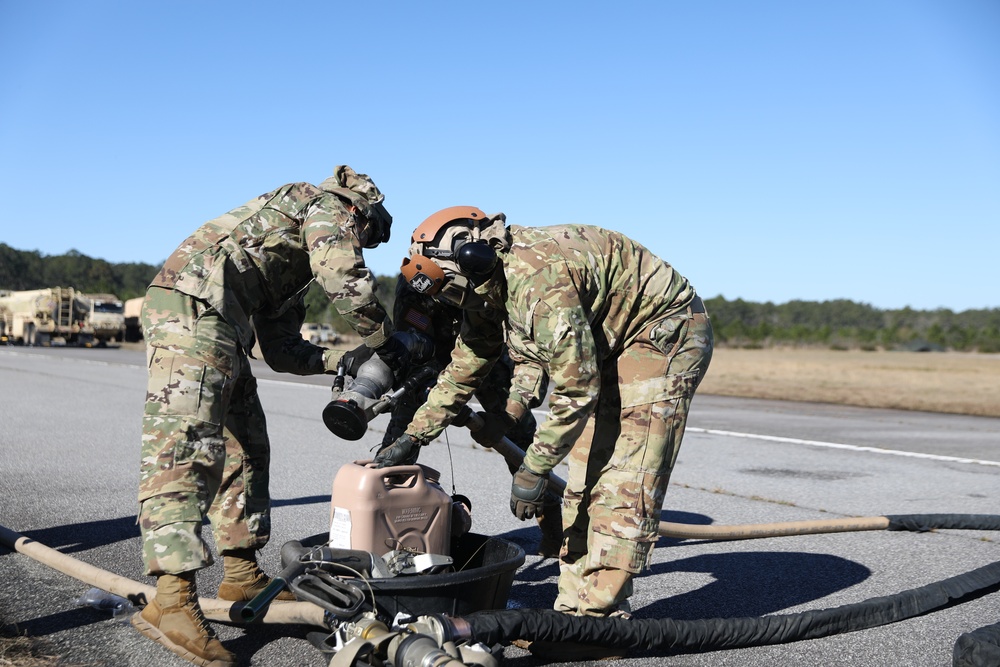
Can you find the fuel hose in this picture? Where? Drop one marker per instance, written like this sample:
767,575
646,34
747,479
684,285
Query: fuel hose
304,613
975,649
980,648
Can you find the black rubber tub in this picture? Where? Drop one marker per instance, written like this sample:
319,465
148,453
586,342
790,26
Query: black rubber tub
484,569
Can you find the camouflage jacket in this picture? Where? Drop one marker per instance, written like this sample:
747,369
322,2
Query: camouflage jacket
285,350
255,263
576,296
523,384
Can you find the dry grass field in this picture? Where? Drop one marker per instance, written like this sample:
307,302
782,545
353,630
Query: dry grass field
953,382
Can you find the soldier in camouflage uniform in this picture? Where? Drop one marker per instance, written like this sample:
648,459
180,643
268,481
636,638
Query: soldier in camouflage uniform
205,451
441,322
626,341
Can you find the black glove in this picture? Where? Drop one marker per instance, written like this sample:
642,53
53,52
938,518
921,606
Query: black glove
527,493
494,428
353,359
396,356
400,453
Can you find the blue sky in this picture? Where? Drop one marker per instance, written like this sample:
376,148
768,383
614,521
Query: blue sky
770,150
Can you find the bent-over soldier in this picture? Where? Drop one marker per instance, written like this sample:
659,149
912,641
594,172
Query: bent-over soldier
626,341
205,450
441,322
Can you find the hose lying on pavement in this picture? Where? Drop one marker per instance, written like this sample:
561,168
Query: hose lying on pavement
304,613
513,455
974,649
978,648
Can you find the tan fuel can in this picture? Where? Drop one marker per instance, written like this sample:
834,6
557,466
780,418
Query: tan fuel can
384,509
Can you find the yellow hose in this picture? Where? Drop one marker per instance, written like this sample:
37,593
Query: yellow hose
755,530
302,613
514,455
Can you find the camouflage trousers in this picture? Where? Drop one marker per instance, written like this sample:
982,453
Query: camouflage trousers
205,451
620,466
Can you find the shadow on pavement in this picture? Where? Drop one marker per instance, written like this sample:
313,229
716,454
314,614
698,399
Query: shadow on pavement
62,621
76,537
741,584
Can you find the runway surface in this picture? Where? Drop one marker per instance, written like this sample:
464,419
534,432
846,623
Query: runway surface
69,436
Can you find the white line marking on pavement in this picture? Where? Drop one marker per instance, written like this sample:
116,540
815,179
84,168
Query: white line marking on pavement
292,383
733,434
835,445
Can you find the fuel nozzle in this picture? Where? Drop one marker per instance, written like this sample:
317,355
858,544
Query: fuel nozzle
359,400
356,401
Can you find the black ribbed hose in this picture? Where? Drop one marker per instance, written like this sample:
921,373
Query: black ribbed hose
726,633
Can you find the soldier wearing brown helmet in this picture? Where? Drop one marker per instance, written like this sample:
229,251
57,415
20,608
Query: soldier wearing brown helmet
441,322
625,340
205,451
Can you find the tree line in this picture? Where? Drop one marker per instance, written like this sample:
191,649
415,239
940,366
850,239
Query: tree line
845,324
838,324
29,269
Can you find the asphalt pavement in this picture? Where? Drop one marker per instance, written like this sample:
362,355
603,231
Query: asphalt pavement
70,424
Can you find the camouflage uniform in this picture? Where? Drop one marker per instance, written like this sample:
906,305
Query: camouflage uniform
497,394
417,312
205,450
626,341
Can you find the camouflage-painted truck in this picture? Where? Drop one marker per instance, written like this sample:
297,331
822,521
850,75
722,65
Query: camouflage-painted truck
107,318
51,316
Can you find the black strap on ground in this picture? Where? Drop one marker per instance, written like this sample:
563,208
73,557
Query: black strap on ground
714,634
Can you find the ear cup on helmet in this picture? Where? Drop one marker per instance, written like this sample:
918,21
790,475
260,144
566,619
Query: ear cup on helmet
423,274
476,258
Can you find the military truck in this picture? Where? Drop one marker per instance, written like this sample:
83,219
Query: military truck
51,316
106,318
133,325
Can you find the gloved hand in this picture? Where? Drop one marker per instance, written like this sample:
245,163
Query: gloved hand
527,493
353,359
402,452
396,356
494,428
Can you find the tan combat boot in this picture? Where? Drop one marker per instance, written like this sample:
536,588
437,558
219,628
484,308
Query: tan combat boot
174,619
243,579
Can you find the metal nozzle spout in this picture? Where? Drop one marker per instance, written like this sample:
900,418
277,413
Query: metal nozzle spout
348,414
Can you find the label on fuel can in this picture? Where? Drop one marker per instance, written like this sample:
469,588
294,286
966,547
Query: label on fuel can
340,528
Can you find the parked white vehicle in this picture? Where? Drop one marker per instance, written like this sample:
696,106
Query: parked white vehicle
319,333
